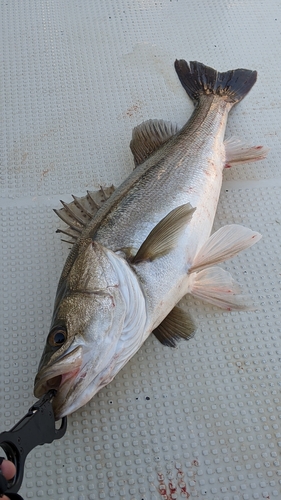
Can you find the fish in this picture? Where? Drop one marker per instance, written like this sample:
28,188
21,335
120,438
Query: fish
138,249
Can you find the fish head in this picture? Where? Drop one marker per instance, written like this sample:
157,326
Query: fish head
87,324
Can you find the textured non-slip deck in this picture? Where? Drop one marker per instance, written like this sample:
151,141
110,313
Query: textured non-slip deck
199,421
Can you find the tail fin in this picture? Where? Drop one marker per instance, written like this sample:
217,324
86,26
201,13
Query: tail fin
198,79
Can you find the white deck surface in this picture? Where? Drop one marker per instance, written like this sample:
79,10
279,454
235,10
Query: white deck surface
202,420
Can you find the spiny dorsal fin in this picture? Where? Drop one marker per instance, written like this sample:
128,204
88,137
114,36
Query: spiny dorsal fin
176,326
80,211
163,237
150,136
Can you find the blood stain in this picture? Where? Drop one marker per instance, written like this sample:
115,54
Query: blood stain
169,490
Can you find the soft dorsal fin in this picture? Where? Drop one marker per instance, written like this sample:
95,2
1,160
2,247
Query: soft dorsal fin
164,236
176,326
80,211
150,136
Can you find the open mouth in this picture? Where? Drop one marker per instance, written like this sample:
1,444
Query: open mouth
60,374
54,383
59,380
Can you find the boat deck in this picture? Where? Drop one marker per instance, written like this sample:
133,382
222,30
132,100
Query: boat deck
199,421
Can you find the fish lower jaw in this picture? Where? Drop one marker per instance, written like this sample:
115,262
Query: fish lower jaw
71,397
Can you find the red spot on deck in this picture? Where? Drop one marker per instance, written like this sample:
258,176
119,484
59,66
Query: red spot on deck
184,491
169,489
182,484
172,488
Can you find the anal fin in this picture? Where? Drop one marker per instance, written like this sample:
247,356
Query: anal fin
237,151
176,326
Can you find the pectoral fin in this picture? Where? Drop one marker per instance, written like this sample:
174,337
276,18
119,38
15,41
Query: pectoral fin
237,151
223,245
163,237
176,326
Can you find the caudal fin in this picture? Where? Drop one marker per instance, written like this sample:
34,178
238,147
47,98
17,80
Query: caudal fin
198,79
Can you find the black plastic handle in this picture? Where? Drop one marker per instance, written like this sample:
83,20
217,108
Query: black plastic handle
37,427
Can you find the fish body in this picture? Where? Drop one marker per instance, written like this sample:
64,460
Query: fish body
148,245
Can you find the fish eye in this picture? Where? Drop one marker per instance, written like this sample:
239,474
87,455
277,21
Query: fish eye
57,337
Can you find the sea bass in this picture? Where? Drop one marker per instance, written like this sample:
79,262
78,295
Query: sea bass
148,244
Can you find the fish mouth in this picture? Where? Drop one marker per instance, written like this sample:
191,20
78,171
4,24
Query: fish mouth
59,376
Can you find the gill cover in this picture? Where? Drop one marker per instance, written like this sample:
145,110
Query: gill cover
102,313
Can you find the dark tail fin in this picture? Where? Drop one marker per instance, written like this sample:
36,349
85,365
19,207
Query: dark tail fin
198,79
